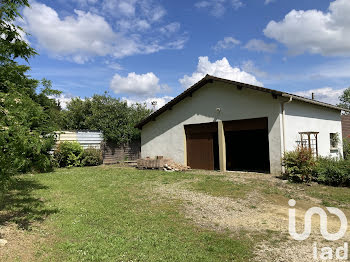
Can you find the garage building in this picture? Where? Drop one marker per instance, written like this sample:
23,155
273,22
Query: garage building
219,124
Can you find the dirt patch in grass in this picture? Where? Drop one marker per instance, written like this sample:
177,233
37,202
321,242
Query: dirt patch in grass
221,213
21,217
260,210
218,186
21,244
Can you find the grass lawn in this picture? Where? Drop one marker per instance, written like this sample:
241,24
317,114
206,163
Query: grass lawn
111,213
107,214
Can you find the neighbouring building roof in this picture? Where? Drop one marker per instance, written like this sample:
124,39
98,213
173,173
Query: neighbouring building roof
211,79
87,138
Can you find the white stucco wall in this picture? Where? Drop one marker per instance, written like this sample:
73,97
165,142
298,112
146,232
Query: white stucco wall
305,117
166,135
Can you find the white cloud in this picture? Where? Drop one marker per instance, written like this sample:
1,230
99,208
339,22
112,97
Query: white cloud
113,65
314,31
119,7
141,89
63,99
136,85
226,43
85,35
170,28
250,67
85,2
326,94
220,68
152,11
260,46
79,37
134,24
218,7
269,2
147,10
151,102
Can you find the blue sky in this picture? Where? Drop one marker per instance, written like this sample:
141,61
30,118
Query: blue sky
146,50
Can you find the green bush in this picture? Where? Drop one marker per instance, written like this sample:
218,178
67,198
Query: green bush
92,157
299,165
68,154
332,172
346,148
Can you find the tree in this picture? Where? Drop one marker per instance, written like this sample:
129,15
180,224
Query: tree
345,99
26,116
110,115
77,113
12,44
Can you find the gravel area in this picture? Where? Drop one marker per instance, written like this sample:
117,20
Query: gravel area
256,214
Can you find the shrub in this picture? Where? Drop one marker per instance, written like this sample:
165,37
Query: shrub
333,172
92,157
299,165
68,154
346,148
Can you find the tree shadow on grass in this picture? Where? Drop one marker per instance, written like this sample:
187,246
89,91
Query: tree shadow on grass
21,207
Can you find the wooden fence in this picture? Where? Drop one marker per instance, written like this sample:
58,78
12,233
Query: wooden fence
345,122
111,152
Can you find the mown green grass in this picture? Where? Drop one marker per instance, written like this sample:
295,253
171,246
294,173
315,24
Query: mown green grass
114,214
108,214
219,186
331,196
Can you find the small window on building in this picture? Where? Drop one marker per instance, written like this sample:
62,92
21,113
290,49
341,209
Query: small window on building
308,140
334,140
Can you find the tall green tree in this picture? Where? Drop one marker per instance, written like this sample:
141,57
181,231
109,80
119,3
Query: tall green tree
345,99
12,44
26,114
77,113
110,115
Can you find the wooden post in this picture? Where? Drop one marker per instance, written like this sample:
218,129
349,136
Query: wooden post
222,146
185,147
316,145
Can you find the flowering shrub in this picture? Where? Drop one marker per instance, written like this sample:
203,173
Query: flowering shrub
299,165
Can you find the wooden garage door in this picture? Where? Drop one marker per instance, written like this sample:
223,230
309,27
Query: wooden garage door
200,145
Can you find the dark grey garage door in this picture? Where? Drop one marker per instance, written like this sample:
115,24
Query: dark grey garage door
247,145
